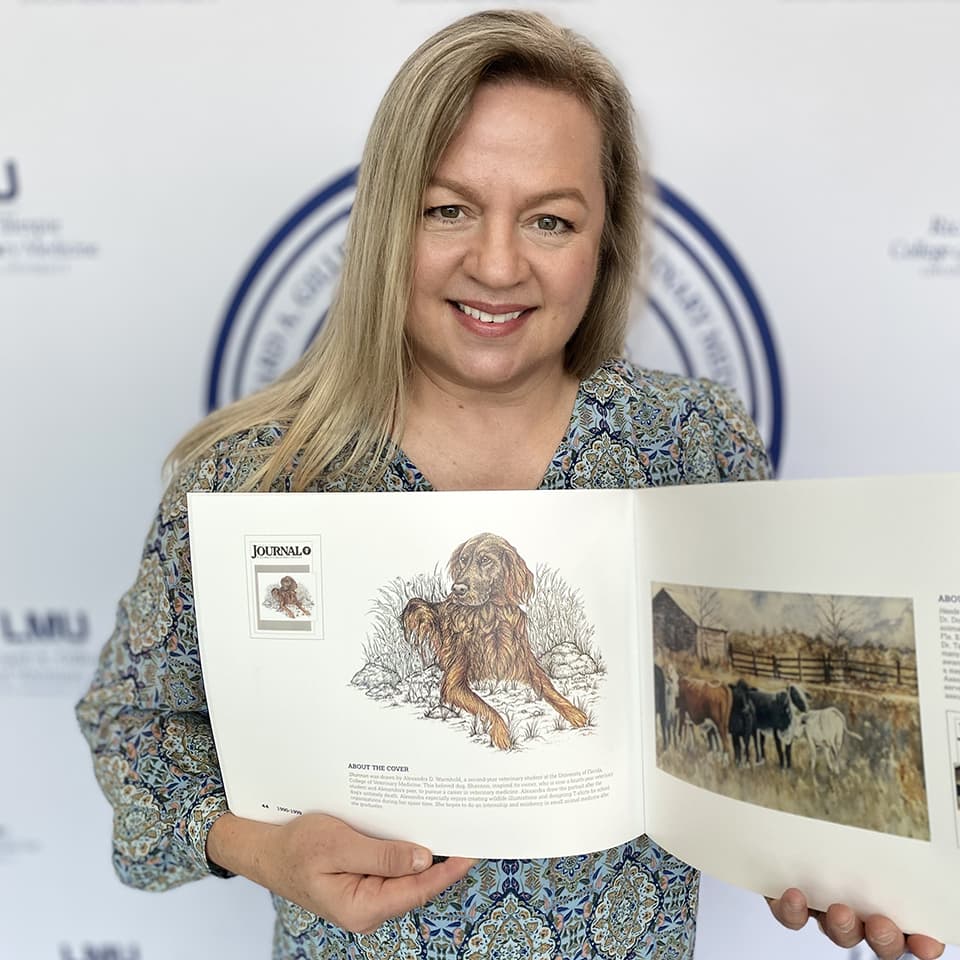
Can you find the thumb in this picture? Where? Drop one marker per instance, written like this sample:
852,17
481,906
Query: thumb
399,858
385,858
790,909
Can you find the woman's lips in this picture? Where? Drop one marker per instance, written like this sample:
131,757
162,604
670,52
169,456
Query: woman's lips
491,319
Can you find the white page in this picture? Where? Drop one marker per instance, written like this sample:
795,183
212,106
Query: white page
289,723
891,538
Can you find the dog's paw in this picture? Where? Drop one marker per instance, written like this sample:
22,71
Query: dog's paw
576,718
500,736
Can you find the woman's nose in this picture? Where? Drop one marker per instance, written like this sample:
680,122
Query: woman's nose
496,257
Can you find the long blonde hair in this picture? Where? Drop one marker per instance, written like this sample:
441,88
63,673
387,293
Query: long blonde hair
342,403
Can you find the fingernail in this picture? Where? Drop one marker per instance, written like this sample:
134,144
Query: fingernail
421,860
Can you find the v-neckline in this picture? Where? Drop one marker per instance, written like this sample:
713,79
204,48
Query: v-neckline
407,466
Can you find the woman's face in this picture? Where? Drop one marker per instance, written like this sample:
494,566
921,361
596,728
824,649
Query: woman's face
506,253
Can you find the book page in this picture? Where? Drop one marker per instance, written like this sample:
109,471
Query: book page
450,669
818,621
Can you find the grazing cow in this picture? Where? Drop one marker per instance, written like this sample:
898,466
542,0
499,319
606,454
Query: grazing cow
777,715
825,730
703,700
665,687
743,721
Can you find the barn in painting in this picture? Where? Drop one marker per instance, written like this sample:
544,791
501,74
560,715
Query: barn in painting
675,628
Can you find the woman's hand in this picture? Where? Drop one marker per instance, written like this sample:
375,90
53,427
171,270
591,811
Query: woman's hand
327,867
846,929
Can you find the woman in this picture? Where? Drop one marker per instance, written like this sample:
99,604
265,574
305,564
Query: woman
473,344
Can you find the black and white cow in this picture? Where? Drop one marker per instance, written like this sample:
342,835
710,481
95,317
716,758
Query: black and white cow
778,714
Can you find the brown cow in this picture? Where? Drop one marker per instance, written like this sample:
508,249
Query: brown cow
704,700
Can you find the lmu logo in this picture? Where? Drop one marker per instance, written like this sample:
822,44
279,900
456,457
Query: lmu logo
39,627
100,951
9,186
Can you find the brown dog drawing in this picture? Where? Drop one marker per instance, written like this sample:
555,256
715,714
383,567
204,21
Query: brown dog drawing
479,632
285,596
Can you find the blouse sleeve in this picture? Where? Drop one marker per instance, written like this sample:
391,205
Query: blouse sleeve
738,449
145,714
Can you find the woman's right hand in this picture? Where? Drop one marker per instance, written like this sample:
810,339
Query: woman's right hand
319,862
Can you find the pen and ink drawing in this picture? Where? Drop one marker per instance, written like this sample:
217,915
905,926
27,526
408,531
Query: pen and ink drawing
506,653
289,597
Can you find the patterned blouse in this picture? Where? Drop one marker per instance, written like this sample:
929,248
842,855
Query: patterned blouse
146,721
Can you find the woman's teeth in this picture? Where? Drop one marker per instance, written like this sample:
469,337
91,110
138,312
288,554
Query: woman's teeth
485,317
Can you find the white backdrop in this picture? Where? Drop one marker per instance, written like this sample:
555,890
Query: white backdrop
808,252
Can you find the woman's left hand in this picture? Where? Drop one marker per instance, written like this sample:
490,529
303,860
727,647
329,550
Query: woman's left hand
846,929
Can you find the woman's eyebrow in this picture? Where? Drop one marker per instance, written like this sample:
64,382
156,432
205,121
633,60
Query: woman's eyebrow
561,193
459,188
564,193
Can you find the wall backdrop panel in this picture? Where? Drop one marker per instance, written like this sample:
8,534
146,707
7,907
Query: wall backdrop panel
806,251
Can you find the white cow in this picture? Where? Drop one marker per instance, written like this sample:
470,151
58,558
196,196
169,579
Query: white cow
825,730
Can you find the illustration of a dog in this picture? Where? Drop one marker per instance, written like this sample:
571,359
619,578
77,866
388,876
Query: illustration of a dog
479,632
285,596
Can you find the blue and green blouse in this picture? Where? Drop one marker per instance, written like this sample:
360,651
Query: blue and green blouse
145,716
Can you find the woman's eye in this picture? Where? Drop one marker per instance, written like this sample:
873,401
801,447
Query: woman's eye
448,211
551,224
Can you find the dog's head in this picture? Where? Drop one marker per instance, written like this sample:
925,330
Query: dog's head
488,569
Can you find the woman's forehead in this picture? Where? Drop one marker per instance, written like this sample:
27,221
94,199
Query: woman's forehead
543,139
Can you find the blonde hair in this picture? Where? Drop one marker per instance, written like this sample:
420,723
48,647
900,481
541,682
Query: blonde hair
341,404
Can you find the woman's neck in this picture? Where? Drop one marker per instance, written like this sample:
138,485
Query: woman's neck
465,439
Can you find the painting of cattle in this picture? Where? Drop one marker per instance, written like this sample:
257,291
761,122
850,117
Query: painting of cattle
810,705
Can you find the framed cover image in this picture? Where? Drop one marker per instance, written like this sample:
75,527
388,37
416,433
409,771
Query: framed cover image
284,586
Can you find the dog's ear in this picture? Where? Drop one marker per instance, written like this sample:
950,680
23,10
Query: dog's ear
453,567
517,578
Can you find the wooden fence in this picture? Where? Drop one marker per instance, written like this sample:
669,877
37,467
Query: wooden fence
838,668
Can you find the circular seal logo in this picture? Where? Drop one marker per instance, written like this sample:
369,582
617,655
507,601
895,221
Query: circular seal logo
701,316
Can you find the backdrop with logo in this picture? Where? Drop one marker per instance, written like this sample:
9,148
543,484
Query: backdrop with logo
175,178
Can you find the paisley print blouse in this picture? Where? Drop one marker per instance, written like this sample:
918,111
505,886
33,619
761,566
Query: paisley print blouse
146,721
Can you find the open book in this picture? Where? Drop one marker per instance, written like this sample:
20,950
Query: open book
763,677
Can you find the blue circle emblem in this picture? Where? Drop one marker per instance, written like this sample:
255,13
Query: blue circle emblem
701,315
